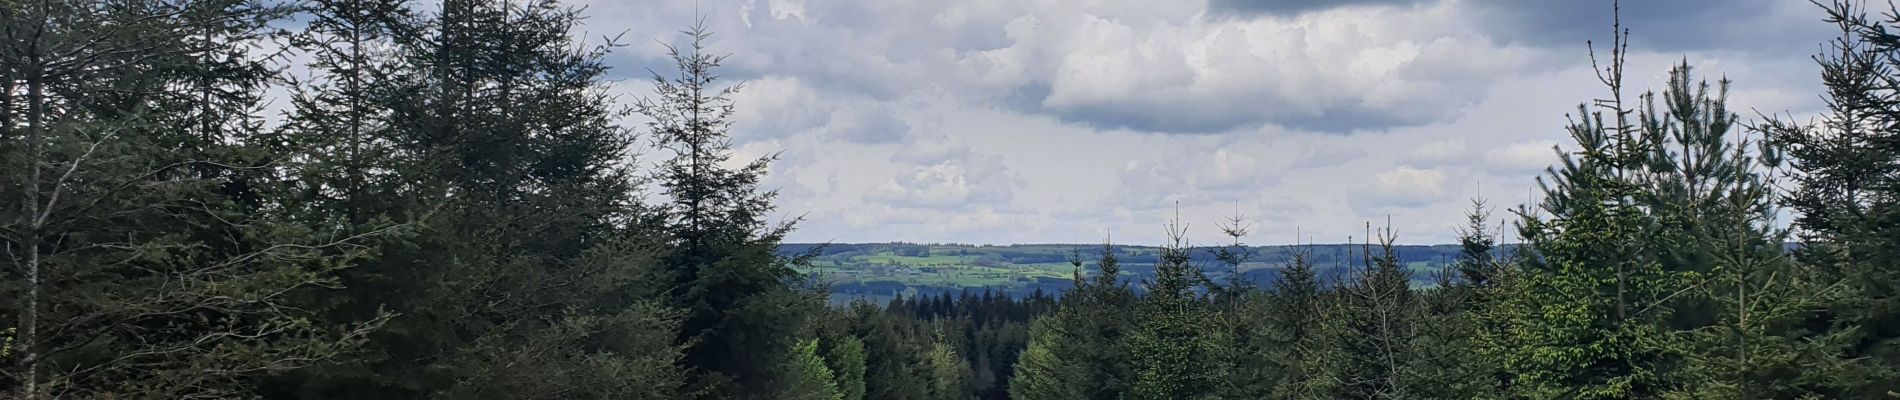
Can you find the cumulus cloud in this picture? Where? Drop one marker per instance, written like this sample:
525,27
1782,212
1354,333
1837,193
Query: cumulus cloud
779,106
1402,186
1440,152
948,183
1283,7
1002,121
1337,70
1531,156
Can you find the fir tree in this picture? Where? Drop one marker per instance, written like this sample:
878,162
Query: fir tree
1845,170
151,264
731,281
1378,324
1171,351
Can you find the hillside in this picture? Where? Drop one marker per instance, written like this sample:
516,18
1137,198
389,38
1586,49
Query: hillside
880,270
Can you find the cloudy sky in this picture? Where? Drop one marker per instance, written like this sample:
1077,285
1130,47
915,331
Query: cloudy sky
1020,121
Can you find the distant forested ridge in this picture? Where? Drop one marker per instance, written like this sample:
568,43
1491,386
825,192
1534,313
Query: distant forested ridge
883,270
449,206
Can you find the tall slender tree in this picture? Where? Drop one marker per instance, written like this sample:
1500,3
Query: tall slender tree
734,286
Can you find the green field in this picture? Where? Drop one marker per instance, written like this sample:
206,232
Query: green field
886,269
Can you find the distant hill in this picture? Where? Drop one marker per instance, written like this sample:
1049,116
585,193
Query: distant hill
878,271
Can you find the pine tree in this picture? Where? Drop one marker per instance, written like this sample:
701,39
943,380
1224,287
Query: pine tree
1755,298
1594,311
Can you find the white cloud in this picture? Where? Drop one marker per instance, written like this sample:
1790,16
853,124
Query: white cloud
1402,186
1000,121
1531,156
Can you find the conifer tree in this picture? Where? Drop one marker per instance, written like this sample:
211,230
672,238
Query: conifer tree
1742,296
846,359
495,137
1378,324
1592,316
1244,315
807,376
1303,323
1171,352
1844,171
150,262
1078,352
731,281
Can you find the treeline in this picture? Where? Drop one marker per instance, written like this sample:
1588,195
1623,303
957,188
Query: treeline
390,199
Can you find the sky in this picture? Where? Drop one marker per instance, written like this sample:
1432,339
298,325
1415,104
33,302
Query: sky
1042,121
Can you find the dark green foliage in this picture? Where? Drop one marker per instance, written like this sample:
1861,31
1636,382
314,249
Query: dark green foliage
723,261
1303,325
1077,352
1171,349
846,359
485,112
146,259
1591,317
1845,171
1379,318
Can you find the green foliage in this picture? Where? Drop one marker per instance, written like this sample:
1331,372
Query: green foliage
807,376
1592,314
846,359
1078,352
1845,170
733,285
149,257
1171,350
1379,318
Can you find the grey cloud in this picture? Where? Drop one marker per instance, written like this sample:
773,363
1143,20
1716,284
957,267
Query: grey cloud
1285,7
1672,25
1204,119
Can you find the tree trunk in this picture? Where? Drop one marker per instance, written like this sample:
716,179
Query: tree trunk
29,319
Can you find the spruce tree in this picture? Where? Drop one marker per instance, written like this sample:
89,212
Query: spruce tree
152,263
1303,323
723,260
1078,352
1378,317
1171,351
531,274
1244,314
1844,170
